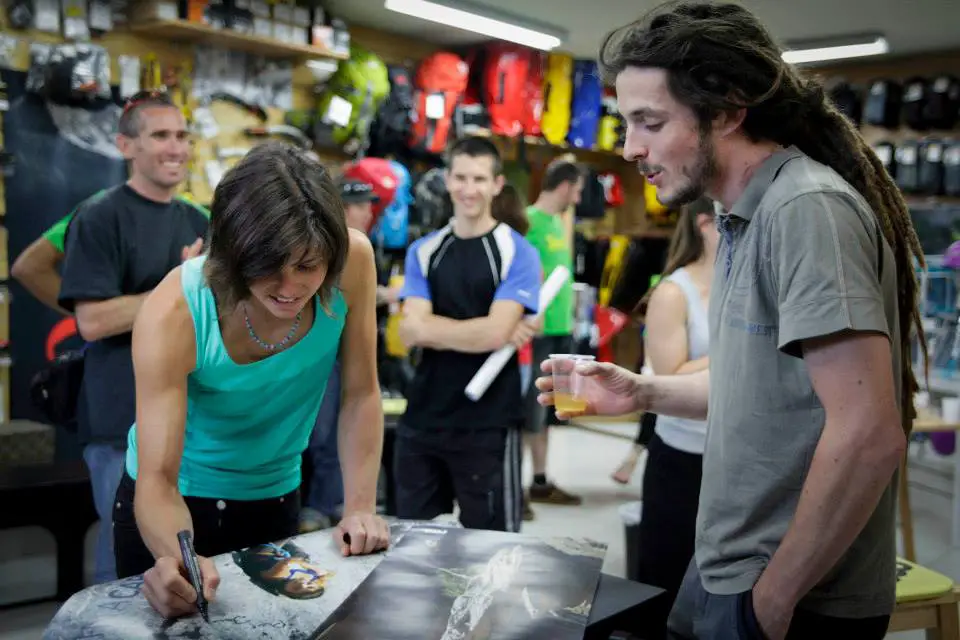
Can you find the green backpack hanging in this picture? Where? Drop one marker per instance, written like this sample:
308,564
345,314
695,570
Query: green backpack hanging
351,100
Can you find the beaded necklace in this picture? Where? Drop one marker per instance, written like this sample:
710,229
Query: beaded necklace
266,345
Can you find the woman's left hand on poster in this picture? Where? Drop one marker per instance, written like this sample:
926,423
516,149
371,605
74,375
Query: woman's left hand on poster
362,533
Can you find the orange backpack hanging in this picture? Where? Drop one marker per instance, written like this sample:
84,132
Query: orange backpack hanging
440,84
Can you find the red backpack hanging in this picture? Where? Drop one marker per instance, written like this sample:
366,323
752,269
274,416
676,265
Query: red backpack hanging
533,99
612,188
505,75
440,84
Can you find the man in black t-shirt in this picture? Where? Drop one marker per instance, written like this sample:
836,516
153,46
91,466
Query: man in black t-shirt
119,245
466,288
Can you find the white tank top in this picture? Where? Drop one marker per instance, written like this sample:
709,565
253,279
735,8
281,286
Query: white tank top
682,434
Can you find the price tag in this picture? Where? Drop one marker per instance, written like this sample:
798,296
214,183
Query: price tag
952,156
205,122
214,171
8,47
884,153
167,11
436,106
914,92
907,155
101,16
941,84
338,112
129,75
934,153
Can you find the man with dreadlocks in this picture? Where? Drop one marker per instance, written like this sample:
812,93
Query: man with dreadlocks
808,393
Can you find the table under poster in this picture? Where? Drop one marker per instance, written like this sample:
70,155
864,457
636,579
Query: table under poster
437,581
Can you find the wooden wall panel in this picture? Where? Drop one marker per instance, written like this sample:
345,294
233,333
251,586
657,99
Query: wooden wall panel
117,43
865,69
392,48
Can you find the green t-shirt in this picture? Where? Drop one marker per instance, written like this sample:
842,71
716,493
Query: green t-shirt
548,236
57,233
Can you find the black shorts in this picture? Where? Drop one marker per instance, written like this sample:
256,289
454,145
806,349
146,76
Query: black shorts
219,526
479,469
648,427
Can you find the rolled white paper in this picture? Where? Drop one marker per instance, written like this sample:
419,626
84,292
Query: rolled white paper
495,362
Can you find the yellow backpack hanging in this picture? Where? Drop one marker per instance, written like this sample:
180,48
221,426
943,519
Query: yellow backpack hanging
609,131
393,344
612,267
656,212
557,94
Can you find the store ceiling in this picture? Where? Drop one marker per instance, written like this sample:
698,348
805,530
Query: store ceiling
910,26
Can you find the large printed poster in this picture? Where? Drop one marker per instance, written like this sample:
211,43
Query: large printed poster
437,582
443,583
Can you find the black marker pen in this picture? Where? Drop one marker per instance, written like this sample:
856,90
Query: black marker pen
193,570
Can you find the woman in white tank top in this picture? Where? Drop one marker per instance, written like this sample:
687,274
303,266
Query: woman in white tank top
676,343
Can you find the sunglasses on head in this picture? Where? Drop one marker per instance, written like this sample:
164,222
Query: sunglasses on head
143,96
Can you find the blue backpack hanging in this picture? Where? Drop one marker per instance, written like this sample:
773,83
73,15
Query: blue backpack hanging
391,229
586,106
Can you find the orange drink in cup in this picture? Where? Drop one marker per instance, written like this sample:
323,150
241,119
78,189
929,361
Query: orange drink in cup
568,392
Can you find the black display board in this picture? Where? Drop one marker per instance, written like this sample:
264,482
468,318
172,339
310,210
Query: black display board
61,156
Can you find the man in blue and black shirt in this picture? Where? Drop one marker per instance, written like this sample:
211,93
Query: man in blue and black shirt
466,288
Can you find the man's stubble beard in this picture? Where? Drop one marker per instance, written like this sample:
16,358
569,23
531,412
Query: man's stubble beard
698,176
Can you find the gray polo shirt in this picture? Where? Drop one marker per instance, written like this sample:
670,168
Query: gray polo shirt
798,259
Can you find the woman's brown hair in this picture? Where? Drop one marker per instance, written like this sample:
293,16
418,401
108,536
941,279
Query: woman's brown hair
275,206
510,208
686,243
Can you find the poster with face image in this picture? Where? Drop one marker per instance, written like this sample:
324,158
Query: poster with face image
283,589
461,584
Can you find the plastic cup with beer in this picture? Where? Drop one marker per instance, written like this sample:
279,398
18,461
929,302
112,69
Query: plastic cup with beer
568,386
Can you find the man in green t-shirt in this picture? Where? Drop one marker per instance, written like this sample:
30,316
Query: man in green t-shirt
551,233
37,267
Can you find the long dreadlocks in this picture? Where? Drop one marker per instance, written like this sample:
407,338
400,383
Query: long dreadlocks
719,57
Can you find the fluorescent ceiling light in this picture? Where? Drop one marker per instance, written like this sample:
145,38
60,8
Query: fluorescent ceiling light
475,22
874,47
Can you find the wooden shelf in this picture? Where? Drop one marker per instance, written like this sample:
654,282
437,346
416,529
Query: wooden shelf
650,233
537,142
563,148
930,202
194,33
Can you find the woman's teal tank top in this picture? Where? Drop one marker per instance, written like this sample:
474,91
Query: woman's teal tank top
247,425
